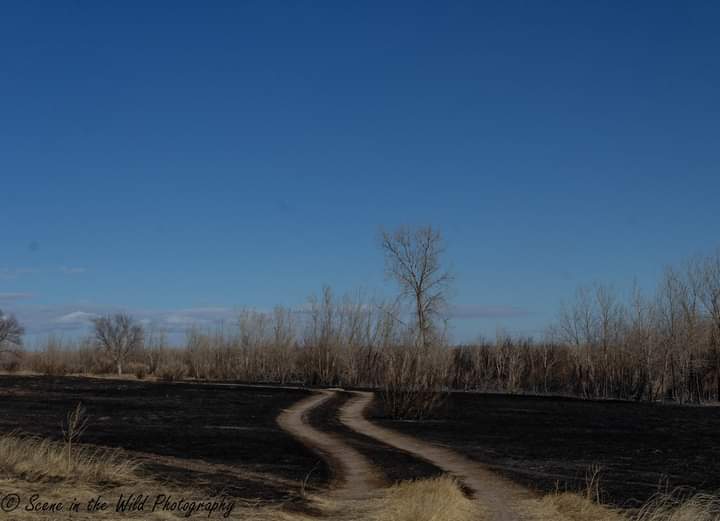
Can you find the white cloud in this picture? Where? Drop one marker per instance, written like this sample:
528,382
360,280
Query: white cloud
76,317
179,320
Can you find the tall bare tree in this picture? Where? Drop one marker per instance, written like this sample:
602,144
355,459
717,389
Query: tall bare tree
709,294
118,335
11,333
413,259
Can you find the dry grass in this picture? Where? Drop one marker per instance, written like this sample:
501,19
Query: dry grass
437,499
663,507
681,507
568,506
35,459
33,465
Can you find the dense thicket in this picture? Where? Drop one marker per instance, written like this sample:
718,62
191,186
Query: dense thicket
662,346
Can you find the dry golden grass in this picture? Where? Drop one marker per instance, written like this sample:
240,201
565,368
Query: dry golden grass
31,465
570,507
34,459
436,499
663,507
680,507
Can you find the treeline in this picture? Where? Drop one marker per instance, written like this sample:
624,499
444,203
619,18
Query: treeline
660,346
333,341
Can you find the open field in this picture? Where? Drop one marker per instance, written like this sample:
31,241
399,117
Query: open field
544,442
289,453
193,435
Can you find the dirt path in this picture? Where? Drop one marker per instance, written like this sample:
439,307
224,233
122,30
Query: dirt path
355,477
498,497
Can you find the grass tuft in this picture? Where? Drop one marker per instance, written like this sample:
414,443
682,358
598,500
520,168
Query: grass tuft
436,499
568,506
36,459
679,506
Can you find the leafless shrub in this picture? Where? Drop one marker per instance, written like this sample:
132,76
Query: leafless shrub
53,359
73,427
11,333
139,369
118,335
592,484
172,370
413,380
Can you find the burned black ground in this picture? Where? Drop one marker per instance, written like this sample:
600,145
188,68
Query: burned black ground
550,442
229,425
541,442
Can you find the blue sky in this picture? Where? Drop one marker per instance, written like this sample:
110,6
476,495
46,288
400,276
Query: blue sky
180,160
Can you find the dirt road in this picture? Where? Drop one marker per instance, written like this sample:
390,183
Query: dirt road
356,477
497,496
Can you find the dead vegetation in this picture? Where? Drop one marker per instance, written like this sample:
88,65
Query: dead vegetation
437,499
664,346
675,506
679,506
71,469
35,459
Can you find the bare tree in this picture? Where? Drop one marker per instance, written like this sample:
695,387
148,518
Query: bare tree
118,335
413,259
709,294
11,333
578,327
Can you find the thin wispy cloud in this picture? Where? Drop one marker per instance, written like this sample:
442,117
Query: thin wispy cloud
76,317
8,273
13,273
72,270
12,297
475,311
180,320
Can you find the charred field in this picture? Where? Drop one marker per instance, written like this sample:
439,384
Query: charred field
191,435
551,443
223,439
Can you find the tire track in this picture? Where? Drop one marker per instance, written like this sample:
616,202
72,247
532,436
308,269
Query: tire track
355,477
498,497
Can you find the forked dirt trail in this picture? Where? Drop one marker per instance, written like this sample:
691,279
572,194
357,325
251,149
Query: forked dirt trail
499,498
355,478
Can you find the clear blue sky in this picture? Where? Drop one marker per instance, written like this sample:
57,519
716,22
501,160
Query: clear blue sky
182,159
